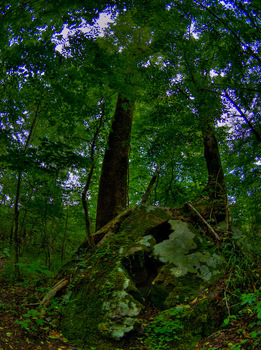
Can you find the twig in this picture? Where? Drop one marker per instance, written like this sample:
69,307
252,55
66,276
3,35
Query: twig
35,304
225,295
205,222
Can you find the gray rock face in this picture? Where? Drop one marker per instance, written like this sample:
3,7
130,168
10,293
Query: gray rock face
182,264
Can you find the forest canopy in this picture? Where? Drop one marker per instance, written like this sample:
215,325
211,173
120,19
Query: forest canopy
160,105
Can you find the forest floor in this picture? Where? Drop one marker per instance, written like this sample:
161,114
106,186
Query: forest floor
24,326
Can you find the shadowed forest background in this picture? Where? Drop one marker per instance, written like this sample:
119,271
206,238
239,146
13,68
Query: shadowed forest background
160,106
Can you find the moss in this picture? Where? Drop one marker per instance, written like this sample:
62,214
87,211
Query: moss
98,301
76,325
82,309
142,221
199,321
180,295
204,318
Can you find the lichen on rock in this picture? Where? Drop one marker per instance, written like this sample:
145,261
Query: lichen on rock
120,317
120,308
190,264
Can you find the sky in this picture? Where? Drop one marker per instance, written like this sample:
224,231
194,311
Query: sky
101,23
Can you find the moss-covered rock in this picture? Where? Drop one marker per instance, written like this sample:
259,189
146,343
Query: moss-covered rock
151,257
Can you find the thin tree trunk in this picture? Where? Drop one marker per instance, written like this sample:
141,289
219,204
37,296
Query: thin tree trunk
11,233
22,233
16,225
150,186
55,232
64,236
86,209
49,241
46,244
27,238
88,182
113,187
18,189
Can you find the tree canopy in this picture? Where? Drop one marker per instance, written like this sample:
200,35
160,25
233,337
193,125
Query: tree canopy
191,73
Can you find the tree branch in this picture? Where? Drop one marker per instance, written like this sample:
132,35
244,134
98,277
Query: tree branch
257,135
253,54
205,222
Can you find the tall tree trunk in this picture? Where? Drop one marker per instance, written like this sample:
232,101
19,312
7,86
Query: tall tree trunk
113,187
216,186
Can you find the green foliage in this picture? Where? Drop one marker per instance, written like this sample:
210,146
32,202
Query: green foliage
165,328
4,307
36,267
8,272
31,319
53,103
5,253
253,302
251,306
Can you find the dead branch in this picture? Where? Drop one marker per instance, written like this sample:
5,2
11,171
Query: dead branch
57,288
205,222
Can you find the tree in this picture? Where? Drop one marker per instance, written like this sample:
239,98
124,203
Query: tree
113,187
114,184
186,66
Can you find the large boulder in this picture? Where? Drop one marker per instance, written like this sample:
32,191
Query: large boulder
149,258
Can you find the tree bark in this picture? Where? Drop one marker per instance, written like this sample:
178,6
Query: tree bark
113,187
216,186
